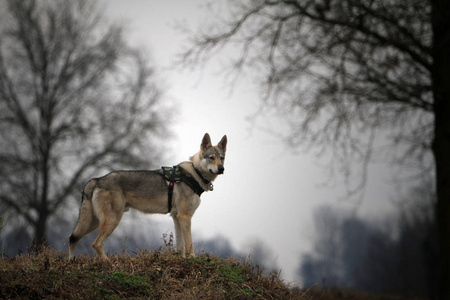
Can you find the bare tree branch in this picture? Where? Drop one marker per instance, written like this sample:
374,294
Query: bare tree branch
337,70
75,98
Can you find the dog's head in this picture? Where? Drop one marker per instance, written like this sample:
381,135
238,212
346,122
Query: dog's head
211,158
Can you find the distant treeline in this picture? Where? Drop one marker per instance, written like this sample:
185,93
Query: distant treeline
397,254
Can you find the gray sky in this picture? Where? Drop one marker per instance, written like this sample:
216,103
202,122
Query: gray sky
268,191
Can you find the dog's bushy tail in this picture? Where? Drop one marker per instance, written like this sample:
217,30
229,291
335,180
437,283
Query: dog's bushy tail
86,218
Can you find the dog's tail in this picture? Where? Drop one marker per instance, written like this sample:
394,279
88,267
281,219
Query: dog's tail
86,218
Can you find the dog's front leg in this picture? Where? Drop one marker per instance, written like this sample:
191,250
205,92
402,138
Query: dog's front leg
185,224
178,236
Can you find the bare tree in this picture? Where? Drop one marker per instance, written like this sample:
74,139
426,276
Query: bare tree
74,99
344,70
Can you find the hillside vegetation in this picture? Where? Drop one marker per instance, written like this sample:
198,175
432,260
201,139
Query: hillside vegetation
148,275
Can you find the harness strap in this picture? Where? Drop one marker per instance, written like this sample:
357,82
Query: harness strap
193,184
170,190
175,174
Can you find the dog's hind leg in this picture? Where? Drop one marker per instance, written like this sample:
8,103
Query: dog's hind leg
178,236
109,207
87,222
106,228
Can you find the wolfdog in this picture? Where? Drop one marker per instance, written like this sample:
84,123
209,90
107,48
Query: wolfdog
174,190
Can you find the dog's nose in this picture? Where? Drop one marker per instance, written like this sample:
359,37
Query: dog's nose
221,169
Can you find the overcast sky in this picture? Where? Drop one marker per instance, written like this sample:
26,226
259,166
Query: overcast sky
268,191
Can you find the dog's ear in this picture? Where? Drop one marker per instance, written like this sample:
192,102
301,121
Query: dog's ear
206,142
223,143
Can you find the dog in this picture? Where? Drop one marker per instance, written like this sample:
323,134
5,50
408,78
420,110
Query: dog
105,199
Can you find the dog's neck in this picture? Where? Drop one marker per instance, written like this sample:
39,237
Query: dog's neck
203,174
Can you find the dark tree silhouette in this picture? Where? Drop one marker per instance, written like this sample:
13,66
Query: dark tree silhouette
74,98
341,71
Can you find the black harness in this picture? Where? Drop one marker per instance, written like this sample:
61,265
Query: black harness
176,174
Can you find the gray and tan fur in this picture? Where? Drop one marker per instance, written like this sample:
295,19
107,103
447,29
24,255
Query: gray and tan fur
105,199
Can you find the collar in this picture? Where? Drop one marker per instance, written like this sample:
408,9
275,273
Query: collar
203,178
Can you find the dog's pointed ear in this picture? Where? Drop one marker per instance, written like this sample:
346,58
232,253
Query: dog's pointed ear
223,143
206,142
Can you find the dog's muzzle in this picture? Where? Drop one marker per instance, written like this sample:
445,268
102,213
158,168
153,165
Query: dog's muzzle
221,169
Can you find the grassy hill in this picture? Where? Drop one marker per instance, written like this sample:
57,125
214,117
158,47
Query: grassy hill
147,275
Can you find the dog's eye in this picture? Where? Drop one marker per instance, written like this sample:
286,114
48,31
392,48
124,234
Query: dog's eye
222,158
211,157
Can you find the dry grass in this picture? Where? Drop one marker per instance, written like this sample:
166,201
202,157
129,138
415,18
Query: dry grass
155,275
149,275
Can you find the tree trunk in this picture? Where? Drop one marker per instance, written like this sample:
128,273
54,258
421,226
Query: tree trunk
40,229
43,211
441,150
441,143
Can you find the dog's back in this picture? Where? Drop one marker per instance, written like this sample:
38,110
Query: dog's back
143,183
